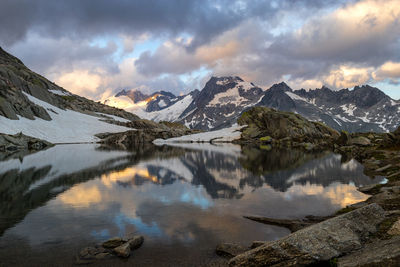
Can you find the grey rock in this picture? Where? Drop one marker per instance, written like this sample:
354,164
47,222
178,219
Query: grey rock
360,141
256,244
380,253
135,242
395,229
123,250
18,142
320,242
113,242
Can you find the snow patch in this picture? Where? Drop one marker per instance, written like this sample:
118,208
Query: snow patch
224,135
246,86
58,92
349,109
162,103
116,118
230,96
296,97
67,126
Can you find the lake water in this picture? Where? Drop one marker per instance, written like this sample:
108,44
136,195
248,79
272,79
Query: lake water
184,200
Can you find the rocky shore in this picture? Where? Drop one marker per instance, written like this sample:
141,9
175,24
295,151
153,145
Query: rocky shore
362,234
145,131
20,144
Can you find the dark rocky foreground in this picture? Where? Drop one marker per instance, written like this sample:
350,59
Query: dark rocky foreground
114,247
362,234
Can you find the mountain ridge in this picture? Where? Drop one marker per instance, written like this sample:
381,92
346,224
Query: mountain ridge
361,109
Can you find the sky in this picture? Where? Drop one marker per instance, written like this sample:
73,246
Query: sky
96,48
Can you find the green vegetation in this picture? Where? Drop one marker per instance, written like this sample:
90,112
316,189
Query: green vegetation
36,81
344,210
266,138
68,97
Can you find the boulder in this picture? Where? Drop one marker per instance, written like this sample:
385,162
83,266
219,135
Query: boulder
380,253
395,229
123,250
317,243
90,254
135,242
113,242
360,141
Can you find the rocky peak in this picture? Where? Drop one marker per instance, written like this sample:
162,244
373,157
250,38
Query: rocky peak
367,96
280,87
276,97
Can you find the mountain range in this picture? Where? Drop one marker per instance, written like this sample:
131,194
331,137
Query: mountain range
223,99
37,107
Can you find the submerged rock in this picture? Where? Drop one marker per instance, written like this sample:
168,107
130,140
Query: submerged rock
113,242
230,250
135,242
115,246
123,250
90,254
317,243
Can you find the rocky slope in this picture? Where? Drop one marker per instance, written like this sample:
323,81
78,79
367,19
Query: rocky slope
16,79
32,105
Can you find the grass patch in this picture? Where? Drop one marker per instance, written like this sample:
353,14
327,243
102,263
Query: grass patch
344,210
68,97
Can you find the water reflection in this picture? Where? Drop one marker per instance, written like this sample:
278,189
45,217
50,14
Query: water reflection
178,197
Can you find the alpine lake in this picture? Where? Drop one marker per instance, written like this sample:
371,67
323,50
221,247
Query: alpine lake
184,199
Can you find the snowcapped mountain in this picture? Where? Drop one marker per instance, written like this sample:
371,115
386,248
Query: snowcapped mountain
158,106
31,104
220,103
223,99
362,109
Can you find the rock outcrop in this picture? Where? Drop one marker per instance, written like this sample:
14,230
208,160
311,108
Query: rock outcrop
145,132
284,128
317,243
18,142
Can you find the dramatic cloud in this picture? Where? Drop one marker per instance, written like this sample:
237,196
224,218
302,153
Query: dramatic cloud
97,48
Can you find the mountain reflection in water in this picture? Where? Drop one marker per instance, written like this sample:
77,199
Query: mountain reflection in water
179,198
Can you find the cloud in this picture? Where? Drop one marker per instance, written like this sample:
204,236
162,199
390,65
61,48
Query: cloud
97,49
367,31
389,70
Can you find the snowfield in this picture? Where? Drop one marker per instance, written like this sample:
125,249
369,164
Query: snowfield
224,135
170,113
66,126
